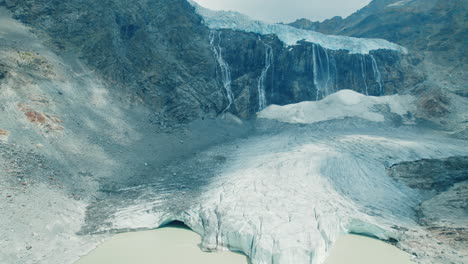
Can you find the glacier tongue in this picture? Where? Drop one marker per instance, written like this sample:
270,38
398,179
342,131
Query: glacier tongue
290,35
286,194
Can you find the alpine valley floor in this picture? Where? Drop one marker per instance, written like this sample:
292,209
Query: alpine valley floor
279,192
287,192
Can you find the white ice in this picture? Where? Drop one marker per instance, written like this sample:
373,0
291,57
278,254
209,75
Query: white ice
286,198
400,3
287,193
344,103
291,35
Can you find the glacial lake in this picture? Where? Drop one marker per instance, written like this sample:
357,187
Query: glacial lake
176,245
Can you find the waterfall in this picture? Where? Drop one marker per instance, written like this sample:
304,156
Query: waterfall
262,101
314,59
335,75
363,72
327,82
322,71
225,71
377,75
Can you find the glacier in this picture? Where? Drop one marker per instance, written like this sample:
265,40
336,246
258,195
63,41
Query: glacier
291,35
286,193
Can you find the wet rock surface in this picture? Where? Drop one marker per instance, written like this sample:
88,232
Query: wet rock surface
308,72
433,29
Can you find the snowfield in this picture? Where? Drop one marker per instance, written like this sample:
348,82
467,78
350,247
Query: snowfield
291,35
344,103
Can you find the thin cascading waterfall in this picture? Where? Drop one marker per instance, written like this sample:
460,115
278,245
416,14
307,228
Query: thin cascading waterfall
326,71
314,59
225,71
322,71
377,75
364,73
262,100
335,73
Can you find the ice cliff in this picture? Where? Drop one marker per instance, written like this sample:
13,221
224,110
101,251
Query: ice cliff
291,35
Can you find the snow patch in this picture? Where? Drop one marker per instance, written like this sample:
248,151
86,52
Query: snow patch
290,35
344,103
400,3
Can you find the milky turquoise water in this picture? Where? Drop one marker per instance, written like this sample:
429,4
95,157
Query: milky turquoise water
180,246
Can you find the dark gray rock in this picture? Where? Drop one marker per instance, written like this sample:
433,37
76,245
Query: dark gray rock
445,213
158,51
328,26
431,174
291,78
435,29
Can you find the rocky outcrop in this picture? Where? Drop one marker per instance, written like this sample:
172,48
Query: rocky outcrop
445,215
445,212
433,29
307,71
327,26
430,174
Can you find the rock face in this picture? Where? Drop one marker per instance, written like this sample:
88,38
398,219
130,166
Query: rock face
433,29
445,212
307,72
328,26
431,174
435,26
161,53
155,51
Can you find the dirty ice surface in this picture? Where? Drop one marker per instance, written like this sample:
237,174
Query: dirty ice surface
286,193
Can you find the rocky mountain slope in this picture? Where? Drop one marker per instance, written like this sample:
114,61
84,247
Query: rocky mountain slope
167,60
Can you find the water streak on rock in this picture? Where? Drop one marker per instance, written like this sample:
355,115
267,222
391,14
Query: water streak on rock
223,65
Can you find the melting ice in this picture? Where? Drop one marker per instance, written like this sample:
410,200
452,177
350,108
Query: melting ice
291,35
